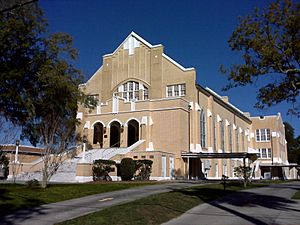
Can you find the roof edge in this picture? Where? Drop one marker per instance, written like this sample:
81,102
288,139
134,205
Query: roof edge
229,106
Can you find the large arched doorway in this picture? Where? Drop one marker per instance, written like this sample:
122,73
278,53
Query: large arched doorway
98,134
115,133
133,132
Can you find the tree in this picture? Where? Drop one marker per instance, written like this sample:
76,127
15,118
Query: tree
21,40
4,161
293,144
244,173
269,41
39,85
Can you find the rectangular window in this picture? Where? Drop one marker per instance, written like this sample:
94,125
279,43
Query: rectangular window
170,91
257,135
263,135
176,90
182,89
265,153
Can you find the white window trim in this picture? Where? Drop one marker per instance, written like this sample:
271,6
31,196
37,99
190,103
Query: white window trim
268,152
260,135
136,87
173,90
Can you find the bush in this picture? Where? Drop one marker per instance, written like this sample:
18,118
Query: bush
143,169
127,169
102,168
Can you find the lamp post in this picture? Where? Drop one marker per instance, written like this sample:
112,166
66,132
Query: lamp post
17,151
84,140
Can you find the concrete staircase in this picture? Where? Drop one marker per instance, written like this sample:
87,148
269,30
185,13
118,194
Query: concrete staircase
108,153
67,170
66,173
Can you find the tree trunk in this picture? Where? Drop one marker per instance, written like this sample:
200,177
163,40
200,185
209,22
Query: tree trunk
44,179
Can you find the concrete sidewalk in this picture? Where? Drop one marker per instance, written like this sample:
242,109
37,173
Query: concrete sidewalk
267,205
61,211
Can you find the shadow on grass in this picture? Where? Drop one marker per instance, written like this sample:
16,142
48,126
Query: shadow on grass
4,195
217,198
15,207
21,215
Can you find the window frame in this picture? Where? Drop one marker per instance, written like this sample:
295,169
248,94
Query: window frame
176,90
263,135
130,91
202,128
267,155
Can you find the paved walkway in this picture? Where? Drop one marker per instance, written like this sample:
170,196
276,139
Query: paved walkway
61,211
268,205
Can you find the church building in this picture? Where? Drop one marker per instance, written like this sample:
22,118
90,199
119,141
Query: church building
150,107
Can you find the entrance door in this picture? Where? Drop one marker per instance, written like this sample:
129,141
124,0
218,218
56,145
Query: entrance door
98,134
163,166
133,132
115,131
171,172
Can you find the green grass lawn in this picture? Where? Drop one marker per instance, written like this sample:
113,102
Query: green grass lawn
159,208
17,196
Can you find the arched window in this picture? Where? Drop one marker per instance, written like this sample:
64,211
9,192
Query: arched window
237,140
230,138
98,134
202,129
132,90
215,133
115,134
222,135
133,132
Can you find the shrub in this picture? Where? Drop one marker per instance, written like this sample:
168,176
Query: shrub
102,168
127,169
143,169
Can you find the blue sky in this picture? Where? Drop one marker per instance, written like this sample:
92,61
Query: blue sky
194,33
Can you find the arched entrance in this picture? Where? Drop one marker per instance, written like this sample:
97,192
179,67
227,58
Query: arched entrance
98,134
115,131
133,132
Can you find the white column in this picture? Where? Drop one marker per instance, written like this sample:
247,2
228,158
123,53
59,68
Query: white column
83,155
16,155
